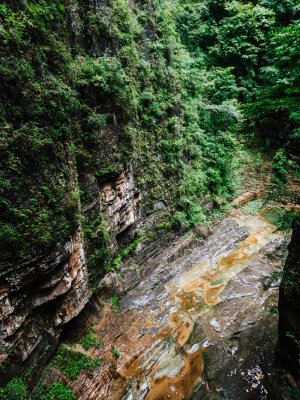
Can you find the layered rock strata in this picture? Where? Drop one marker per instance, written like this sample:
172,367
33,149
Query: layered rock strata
39,296
45,291
195,319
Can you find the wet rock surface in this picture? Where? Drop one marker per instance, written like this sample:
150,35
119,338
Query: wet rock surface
198,317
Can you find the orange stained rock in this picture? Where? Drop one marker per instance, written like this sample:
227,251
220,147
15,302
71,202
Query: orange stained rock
132,333
233,258
179,386
203,282
212,294
227,262
180,329
193,285
132,368
116,374
163,334
240,255
129,368
187,300
252,239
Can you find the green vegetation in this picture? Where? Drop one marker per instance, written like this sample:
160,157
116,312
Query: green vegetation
280,217
178,92
115,263
174,82
89,340
289,278
115,352
290,335
293,392
56,391
16,389
253,207
71,363
276,110
115,302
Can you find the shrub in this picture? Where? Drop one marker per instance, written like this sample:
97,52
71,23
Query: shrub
115,352
89,340
71,363
16,389
56,391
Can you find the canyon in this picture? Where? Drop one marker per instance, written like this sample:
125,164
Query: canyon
149,200
191,322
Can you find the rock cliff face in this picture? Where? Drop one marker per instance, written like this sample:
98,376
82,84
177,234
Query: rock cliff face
43,292
69,201
119,207
286,378
38,297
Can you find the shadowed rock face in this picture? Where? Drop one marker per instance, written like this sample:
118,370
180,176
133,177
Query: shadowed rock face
191,320
119,207
286,378
42,292
38,297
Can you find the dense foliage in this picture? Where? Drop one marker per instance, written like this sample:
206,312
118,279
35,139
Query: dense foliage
16,389
160,84
276,110
72,362
56,391
264,58
118,86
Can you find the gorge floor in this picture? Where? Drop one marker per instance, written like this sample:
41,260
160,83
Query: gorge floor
195,325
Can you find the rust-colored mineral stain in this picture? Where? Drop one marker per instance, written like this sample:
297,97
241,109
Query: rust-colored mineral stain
251,240
132,333
129,369
240,255
233,258
187,301
113,385
212,294
180,329
183,382
193,285
163,334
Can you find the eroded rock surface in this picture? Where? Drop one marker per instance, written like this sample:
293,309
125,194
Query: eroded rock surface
194,322
119,200
39,297
42,292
